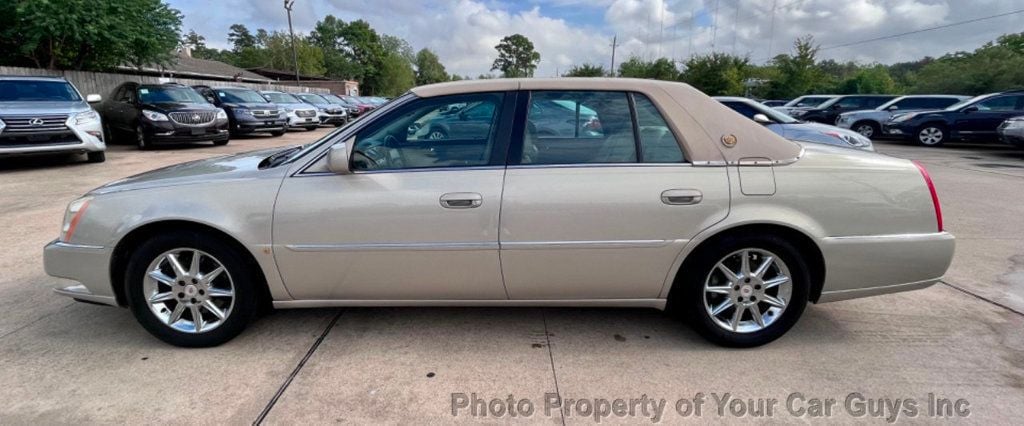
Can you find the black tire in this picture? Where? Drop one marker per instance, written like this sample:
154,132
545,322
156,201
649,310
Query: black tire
931,135
437,133
339,124
221,142
141,140
868,129
242,274
108,134
278,133
311,128
690,298
96,157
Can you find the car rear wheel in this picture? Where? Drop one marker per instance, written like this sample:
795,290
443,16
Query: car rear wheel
277,133
141,140
931,135
191,290
867,129
96,157
745,291
311,128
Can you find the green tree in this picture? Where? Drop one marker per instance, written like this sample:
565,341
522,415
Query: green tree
797,73
586,70
88,34
717,74
396,77
660,69
516,57
240,38
873,80
429,69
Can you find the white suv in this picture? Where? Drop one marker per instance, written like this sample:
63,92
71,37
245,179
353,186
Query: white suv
47,115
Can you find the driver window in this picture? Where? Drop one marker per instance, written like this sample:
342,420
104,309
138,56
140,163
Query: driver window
1003,103
449,131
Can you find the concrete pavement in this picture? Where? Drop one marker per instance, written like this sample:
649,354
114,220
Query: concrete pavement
69,362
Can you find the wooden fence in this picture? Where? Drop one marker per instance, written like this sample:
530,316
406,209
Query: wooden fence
104,83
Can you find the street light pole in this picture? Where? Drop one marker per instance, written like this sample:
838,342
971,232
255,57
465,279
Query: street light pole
295,55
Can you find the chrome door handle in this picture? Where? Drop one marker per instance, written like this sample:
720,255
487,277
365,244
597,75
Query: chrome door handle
681,197
461,200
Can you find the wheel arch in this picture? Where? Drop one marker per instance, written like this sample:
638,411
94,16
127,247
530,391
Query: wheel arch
124,247
815,258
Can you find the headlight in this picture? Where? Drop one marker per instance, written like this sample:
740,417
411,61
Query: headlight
2,125
797,113
86,117
153,115
1010,124
222,115
904,117
242,111
72,216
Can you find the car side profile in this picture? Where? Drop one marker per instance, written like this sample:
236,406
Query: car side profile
869,122
151,114
299,114
793,129
47,115
676,202
248,111
804,102
327,113
974,119
829,111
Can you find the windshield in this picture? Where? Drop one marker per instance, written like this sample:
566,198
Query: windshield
159,94
809,101
313,99
281,98
886,105
37,91
240,96
333,99
966,102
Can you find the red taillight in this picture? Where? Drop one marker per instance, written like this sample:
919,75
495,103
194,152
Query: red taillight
935,195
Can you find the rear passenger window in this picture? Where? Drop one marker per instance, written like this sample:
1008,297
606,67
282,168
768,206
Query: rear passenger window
579,127
657,143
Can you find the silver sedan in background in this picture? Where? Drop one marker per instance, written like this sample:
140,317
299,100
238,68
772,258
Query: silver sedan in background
670,201
791,128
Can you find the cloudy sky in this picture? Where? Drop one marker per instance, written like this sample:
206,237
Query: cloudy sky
566,32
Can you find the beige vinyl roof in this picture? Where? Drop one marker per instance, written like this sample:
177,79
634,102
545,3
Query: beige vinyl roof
708,131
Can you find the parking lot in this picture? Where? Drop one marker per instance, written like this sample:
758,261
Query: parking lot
68,362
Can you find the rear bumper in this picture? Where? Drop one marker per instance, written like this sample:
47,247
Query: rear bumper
862,266
82,263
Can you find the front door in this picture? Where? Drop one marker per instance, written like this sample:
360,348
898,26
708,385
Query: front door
417,220
603,210
990,113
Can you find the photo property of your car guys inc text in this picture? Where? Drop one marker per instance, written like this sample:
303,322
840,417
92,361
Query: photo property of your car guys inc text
544,212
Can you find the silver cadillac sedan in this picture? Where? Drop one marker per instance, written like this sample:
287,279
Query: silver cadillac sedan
658,197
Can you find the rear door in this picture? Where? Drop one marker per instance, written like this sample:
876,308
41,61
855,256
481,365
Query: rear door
601,212
989,115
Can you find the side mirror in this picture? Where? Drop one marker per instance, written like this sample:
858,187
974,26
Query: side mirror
93,98
836,106
763,119
339,158
970,109
893,108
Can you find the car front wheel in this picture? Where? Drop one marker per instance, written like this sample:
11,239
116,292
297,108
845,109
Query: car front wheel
931,135
141,140
191,290
867,129
746,291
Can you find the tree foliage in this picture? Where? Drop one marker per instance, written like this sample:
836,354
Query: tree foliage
87,34
717,74
429,69
586,70
516,57
660,69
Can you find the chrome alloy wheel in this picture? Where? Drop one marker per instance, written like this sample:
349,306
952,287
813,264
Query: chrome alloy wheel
865,130
192,299
930,136
747,291
436,135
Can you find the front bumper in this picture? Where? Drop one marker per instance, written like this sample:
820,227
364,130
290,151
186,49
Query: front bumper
898,130
167,132
75,139
332,118
861,266
296,121
251,124
82,263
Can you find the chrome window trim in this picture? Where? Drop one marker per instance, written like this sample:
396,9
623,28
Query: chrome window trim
416,170
597,165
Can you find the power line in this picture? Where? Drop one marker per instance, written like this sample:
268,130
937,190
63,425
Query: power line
923,30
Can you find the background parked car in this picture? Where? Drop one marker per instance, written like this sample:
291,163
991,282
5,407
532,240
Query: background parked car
804,102
869,122
248,111
47,115
794,129
1012,131
327,112
351,109
774,103
828,111
977,118
298,113
163,113
363,106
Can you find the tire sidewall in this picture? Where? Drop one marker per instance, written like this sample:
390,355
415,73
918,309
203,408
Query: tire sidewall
691,297
244,280
945,134
875,128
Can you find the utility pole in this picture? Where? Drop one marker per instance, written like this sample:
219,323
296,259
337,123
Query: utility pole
615,44
714,27
771,30
736,27
288,4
